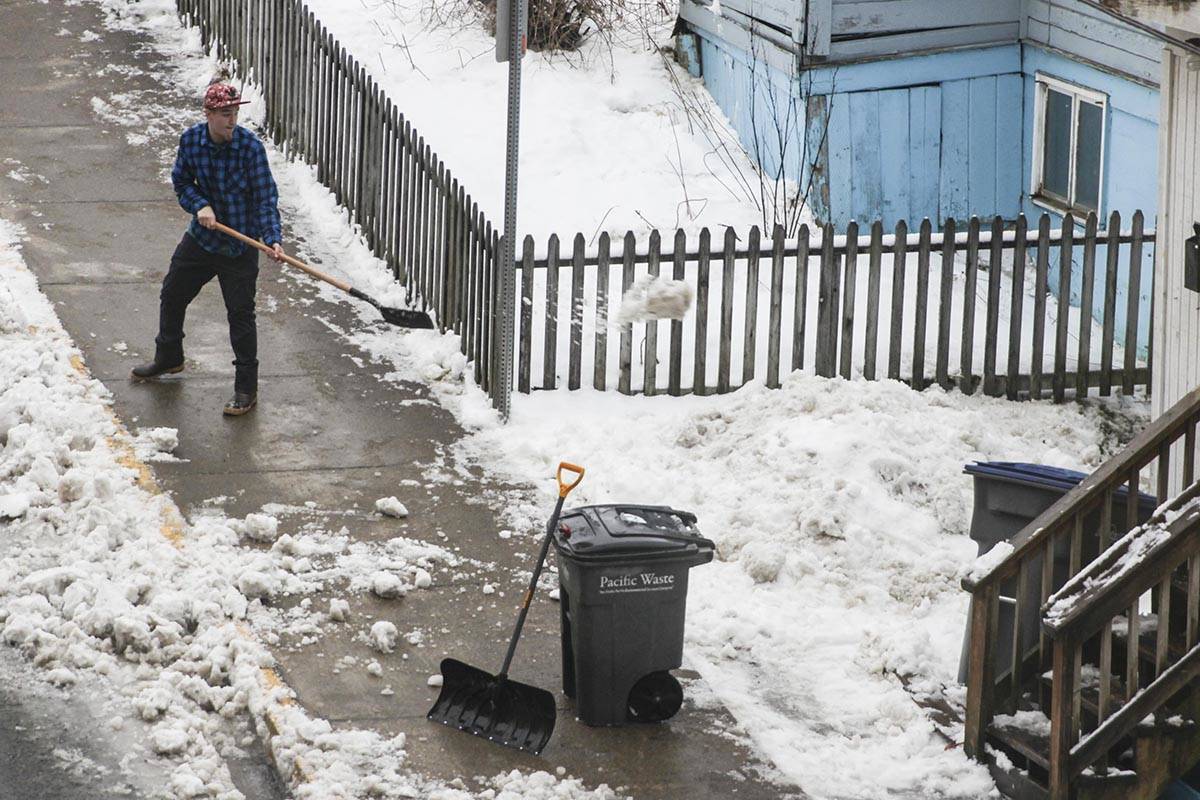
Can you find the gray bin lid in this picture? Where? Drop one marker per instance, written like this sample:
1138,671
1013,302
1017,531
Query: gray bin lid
624,530
1041,475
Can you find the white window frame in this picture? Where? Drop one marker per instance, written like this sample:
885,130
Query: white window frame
1078,94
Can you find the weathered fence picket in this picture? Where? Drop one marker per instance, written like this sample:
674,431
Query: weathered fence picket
945,324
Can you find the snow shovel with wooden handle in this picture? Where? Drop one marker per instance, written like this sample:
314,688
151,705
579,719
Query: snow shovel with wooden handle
502,710
404,317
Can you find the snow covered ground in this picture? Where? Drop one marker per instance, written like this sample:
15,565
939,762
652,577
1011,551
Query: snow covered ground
605,140
839,510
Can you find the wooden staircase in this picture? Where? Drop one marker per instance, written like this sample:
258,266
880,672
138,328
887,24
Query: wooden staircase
1100,701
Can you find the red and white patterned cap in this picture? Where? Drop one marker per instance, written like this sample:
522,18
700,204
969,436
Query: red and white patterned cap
222,95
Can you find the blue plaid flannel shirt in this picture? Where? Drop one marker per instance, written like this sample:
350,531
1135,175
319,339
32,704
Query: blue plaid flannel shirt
235,179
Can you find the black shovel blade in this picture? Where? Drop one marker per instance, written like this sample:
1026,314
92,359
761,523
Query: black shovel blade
406,317
503,711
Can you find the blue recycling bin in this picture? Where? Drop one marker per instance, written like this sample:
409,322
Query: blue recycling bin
1008,496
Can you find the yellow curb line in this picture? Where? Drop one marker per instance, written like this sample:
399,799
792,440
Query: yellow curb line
172,529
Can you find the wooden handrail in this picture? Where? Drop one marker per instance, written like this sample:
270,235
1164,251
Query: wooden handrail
1114,581
1145,558
1112,474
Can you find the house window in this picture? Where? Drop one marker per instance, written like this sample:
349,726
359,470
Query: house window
1068,146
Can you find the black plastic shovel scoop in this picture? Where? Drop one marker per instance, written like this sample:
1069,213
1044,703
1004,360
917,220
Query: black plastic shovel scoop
504,711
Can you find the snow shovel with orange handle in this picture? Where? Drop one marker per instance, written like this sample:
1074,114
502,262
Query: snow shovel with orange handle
494,706
404,317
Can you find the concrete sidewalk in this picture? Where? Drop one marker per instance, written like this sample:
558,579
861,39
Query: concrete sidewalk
102,224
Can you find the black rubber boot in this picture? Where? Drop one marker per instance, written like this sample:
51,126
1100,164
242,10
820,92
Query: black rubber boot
153,369
241,403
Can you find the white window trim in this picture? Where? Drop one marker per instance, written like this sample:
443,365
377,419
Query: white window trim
1078,93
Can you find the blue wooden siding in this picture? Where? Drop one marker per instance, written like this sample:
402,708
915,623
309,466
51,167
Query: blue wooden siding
884,151
948,150
981,147
728,77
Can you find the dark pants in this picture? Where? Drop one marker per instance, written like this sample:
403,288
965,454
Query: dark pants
191,267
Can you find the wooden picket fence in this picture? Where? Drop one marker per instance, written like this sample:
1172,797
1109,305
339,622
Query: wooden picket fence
323,107
948,307
899,306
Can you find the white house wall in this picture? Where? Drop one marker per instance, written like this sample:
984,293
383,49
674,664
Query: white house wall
1176,367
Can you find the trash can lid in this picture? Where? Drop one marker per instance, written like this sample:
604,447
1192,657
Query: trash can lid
1043,475
610,531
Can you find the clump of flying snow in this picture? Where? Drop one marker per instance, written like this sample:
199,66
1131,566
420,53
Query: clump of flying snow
655,297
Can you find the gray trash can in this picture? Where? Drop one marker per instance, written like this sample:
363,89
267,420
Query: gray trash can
623,578
1008,496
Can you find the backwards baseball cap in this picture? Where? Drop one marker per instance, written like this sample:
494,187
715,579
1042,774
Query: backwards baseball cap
222,95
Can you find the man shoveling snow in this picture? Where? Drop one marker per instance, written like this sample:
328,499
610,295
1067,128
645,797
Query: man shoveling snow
219,167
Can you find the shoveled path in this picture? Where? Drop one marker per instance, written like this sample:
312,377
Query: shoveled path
102,223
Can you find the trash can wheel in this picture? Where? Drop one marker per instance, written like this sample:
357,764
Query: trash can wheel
655,697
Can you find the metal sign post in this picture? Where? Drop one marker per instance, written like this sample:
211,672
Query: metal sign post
510,47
